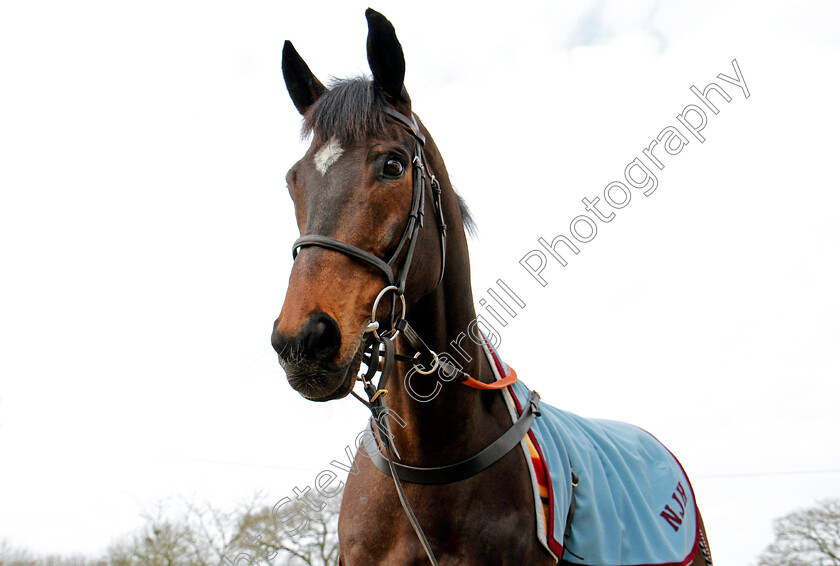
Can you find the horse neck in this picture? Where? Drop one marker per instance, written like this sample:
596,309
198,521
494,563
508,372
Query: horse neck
459,421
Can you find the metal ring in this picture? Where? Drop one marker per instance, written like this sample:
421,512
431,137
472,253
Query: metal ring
435,364
381,294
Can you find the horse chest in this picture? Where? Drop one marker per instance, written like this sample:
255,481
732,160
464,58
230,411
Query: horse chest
474,522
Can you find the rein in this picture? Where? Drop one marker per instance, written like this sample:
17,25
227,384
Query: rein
379,352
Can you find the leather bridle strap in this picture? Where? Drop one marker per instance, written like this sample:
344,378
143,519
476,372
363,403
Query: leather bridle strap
339,246
433,182
471,466
411,123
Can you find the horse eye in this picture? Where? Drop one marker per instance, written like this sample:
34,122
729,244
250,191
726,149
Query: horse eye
393,169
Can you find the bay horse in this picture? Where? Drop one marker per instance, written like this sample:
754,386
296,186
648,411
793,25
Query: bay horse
383,242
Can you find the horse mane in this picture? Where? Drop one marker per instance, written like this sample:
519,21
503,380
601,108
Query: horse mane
353,109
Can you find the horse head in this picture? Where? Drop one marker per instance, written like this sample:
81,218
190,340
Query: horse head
366,202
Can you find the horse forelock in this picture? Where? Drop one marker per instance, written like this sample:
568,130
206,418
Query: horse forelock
350,110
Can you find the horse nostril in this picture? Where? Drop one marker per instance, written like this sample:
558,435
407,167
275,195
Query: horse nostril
279,342
321,337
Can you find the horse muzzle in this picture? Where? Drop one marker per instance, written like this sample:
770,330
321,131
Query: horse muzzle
309,359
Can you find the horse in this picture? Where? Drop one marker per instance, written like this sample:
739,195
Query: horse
383,242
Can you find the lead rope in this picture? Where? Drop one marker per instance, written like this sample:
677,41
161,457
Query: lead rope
378,408
415,524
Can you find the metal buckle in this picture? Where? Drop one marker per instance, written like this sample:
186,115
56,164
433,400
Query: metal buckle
535,405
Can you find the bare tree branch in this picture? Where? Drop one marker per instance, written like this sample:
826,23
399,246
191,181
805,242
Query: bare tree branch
183,533
809,537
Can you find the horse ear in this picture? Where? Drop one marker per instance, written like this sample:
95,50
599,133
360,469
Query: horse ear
303,86
385,57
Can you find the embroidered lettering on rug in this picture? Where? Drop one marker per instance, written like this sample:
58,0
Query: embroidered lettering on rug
633,501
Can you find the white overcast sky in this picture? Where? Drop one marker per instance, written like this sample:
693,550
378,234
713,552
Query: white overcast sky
145,236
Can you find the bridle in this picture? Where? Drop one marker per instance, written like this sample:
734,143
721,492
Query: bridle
379,352
412,227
